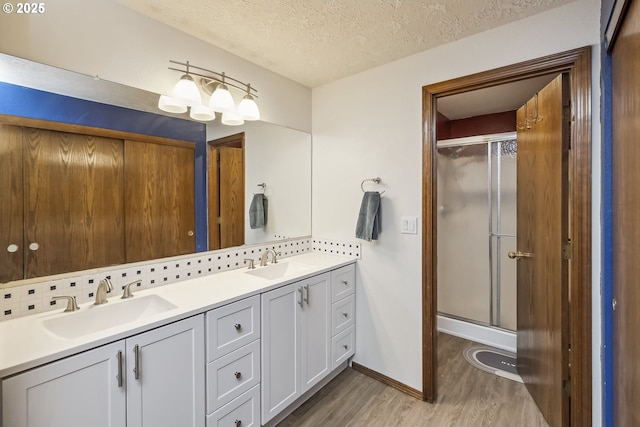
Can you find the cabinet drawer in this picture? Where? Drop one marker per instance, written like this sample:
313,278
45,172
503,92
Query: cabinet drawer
343,346
343,282
244,411
342,315
231,375
232,326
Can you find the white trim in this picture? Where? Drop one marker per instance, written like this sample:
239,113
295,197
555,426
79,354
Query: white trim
614,22
494,337
476,139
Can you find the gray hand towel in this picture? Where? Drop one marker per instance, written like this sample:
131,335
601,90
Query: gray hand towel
368,225
258,211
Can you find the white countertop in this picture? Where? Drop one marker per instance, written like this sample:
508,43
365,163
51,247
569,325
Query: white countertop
25,343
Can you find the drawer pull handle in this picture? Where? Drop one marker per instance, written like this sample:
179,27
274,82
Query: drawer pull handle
345,314
238,374
238,326
346,347
238,423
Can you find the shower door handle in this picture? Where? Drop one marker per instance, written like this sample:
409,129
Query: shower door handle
518,255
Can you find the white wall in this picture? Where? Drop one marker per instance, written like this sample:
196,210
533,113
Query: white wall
104,38
370,125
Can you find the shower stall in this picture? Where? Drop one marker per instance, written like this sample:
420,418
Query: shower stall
476,229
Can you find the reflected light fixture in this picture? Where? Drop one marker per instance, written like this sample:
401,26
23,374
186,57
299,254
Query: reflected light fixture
232,118
186,95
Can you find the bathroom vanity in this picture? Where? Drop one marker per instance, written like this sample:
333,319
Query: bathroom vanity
239,348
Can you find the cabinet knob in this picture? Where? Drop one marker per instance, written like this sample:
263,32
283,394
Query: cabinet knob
345,314
238,374
12,248
344,282
238,326
190,233
34,246
346,347
238,423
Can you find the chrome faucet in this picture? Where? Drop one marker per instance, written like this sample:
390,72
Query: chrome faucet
101,293
265,257
126,289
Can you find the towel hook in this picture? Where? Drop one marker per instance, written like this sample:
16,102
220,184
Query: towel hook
264,187
376,180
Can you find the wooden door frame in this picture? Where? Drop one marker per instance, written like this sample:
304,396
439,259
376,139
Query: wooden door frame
577,63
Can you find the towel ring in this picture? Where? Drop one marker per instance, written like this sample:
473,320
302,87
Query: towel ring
264,187
376,180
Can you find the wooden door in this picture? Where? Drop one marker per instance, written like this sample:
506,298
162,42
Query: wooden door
542,209
73,189
79,391
166,375
226,192
626,208
160,200
11,204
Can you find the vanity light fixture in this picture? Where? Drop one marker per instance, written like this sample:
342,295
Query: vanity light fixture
186,96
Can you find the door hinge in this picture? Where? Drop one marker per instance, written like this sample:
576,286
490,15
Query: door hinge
566,250
566,387
567,116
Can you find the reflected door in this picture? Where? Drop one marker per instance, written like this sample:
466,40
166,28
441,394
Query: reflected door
226,195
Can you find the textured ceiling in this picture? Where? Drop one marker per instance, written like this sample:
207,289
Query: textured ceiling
314,42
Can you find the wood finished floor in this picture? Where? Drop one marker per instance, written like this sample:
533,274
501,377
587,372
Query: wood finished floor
467,397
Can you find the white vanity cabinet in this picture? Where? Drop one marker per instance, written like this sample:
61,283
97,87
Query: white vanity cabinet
296,339
148,380
233,364
343,308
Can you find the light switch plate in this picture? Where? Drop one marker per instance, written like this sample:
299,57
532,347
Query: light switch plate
409,225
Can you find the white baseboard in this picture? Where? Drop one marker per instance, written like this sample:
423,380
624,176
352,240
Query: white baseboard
498,338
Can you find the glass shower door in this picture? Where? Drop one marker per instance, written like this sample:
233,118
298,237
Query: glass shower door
463,216
502,233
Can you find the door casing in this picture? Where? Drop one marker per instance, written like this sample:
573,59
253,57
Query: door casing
577,63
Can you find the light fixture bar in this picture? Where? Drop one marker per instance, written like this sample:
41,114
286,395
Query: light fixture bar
210,79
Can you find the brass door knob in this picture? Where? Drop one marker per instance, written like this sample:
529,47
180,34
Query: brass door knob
518,255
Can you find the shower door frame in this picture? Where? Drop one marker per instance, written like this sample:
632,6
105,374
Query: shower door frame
577,63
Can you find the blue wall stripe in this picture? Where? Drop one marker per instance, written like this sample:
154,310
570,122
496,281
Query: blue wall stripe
36,104
606,210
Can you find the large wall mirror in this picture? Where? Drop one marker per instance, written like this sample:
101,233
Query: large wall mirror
273,155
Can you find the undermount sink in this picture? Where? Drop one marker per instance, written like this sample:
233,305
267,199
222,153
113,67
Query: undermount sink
97,317
278,270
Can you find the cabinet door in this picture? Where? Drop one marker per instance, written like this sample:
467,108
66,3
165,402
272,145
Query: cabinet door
73,202
315,333
160,194
11,204
165,376
78,391
280,349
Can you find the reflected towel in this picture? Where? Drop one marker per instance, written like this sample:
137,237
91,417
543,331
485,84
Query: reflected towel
258,211
368,225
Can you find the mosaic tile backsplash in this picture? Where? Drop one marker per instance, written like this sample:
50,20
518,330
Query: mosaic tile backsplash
35,297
